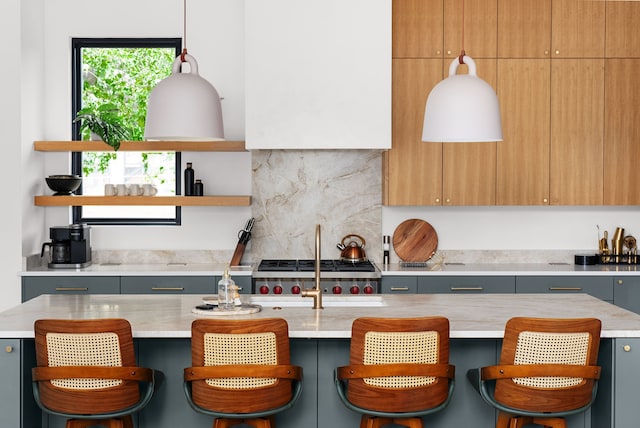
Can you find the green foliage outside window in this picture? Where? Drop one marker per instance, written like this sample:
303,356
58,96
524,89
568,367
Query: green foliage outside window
122,77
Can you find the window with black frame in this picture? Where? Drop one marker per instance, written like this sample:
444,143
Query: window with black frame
111,82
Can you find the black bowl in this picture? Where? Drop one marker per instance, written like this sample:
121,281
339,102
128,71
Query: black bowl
64,184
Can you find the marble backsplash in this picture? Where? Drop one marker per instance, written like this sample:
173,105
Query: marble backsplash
293,190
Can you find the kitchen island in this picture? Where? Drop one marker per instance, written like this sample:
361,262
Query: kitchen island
320,342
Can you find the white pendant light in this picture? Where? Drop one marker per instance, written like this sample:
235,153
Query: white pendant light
462,108
184,106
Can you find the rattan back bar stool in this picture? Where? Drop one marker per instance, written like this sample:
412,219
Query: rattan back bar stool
241,371
548,370
86,372
399,370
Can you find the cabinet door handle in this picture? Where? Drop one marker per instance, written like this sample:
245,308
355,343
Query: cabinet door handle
167,288
565,288
399,289
72,289
466,288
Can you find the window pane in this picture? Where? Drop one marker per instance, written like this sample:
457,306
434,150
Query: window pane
122,73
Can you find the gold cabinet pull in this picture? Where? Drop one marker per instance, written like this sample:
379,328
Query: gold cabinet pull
565,288
626,348
167,288
72,289
8,349
399,288
466,288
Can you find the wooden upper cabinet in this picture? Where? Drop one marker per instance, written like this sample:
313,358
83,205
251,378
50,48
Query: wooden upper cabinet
412,169
551,29
577,29
418,173
622,35
469,174
469,169
480,29
523,156
622,133
417,28
577,131
524,28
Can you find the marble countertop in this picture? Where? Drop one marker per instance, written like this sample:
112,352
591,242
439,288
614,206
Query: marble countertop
510,269
459,269
471,316
146,269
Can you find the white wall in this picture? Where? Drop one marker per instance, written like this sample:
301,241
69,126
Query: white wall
517,228
10,173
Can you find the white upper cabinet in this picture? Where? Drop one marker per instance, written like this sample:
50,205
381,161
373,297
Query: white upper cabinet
318,74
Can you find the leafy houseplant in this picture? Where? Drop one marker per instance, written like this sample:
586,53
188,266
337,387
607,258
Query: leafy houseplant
105,122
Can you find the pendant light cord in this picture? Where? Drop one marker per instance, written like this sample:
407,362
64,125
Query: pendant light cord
184,30
462,53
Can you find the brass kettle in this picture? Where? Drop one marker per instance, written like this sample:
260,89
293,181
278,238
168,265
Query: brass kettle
352,251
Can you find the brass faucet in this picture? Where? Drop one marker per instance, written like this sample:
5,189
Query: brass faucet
316,291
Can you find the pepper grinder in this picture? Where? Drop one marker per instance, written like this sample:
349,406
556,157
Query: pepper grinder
385,247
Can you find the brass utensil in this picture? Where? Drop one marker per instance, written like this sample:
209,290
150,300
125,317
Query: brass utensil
604,248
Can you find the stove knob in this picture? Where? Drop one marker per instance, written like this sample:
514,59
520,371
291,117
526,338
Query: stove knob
337,289
368,289
264,289
354,289
277,289
295,289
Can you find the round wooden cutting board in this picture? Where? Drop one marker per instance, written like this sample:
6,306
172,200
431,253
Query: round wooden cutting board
415,240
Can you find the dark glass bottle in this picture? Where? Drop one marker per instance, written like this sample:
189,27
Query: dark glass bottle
198,188
189,184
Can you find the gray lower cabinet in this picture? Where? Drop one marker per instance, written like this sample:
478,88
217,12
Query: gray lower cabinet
399,284
33,286
597,286
627,357
10,374
626,292
466,284
169,284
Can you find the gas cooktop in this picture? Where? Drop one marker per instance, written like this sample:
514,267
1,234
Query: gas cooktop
290,276
305,268
308,265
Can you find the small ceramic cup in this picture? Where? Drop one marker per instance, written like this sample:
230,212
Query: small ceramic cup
149,190
135,190
121,190
109,190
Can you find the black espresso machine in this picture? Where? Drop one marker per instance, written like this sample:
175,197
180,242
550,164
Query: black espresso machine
70,246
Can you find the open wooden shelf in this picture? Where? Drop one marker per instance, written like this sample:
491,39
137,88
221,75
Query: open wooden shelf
141,146
182,201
